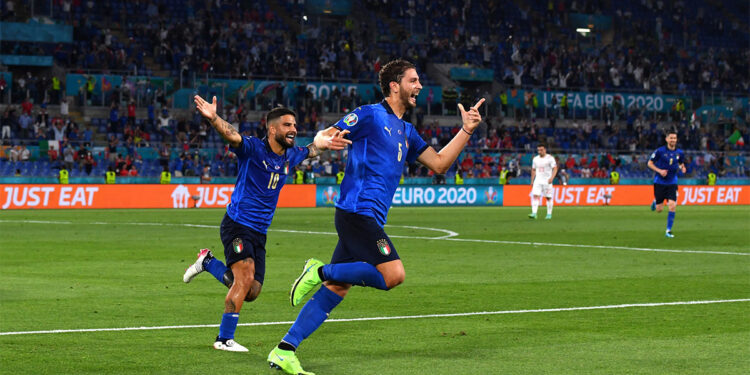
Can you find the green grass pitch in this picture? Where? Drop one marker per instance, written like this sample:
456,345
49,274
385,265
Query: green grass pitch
96,269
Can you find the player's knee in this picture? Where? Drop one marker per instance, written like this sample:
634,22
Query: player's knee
394,279
243,281
253,293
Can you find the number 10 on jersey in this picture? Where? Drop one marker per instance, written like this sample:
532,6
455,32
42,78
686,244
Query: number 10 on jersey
273,181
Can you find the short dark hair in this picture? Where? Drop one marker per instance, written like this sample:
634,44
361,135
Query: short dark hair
393,71
542,144
669,131
278,112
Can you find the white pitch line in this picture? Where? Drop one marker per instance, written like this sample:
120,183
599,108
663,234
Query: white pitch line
36,221
450,315
448,233
448,237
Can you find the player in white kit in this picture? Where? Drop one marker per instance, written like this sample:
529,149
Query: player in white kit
543,171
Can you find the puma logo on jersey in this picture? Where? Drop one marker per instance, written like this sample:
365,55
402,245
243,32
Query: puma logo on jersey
264,163
389,130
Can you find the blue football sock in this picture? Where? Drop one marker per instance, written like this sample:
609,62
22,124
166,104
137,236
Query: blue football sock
228,325
216,268
357,273
312,315
670,220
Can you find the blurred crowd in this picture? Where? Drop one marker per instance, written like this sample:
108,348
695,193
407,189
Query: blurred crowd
649,45
652,46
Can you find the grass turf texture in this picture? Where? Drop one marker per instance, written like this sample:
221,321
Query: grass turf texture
83,275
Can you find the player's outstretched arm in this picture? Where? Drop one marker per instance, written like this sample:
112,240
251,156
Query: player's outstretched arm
226,130
439,162
328,139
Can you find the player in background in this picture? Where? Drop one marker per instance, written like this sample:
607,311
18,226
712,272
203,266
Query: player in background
263,166
666,161
381,144
543,171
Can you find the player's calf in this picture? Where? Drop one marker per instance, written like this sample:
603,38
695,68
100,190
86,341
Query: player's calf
228,281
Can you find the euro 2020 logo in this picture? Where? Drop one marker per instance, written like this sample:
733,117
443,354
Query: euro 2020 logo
331,195
491,195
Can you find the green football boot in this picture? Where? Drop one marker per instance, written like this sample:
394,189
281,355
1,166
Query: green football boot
306,282
286,360
548,217
532,216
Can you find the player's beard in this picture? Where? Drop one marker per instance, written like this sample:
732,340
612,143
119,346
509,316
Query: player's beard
284,141
405,96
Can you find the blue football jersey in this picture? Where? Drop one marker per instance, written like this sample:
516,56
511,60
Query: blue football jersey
260,176
664,158
381,144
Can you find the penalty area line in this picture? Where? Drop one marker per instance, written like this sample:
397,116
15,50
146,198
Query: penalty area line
425,316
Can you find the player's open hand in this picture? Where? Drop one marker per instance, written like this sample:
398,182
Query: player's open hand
471,118
331,139
207,110
663,172
338,142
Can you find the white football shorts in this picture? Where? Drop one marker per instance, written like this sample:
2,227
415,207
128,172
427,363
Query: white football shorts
546,190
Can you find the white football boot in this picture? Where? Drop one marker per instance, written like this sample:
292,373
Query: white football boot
229,345
196,267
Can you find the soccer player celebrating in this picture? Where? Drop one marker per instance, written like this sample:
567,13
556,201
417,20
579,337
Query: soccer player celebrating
543,171
666,161
263,166
381,143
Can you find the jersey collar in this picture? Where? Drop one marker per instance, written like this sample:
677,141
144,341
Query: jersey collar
387,107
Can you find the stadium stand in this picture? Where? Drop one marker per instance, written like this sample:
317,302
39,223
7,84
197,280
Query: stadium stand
693,52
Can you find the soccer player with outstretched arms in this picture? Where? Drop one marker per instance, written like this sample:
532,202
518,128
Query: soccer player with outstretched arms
263,166
382,142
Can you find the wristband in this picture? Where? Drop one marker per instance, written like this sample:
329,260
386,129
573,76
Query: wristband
462,128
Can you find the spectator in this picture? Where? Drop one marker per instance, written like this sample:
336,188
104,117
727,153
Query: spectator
64,109
164,124
6,122
206,175
14,153
467,163
68,156
24,153
131,113
27,106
